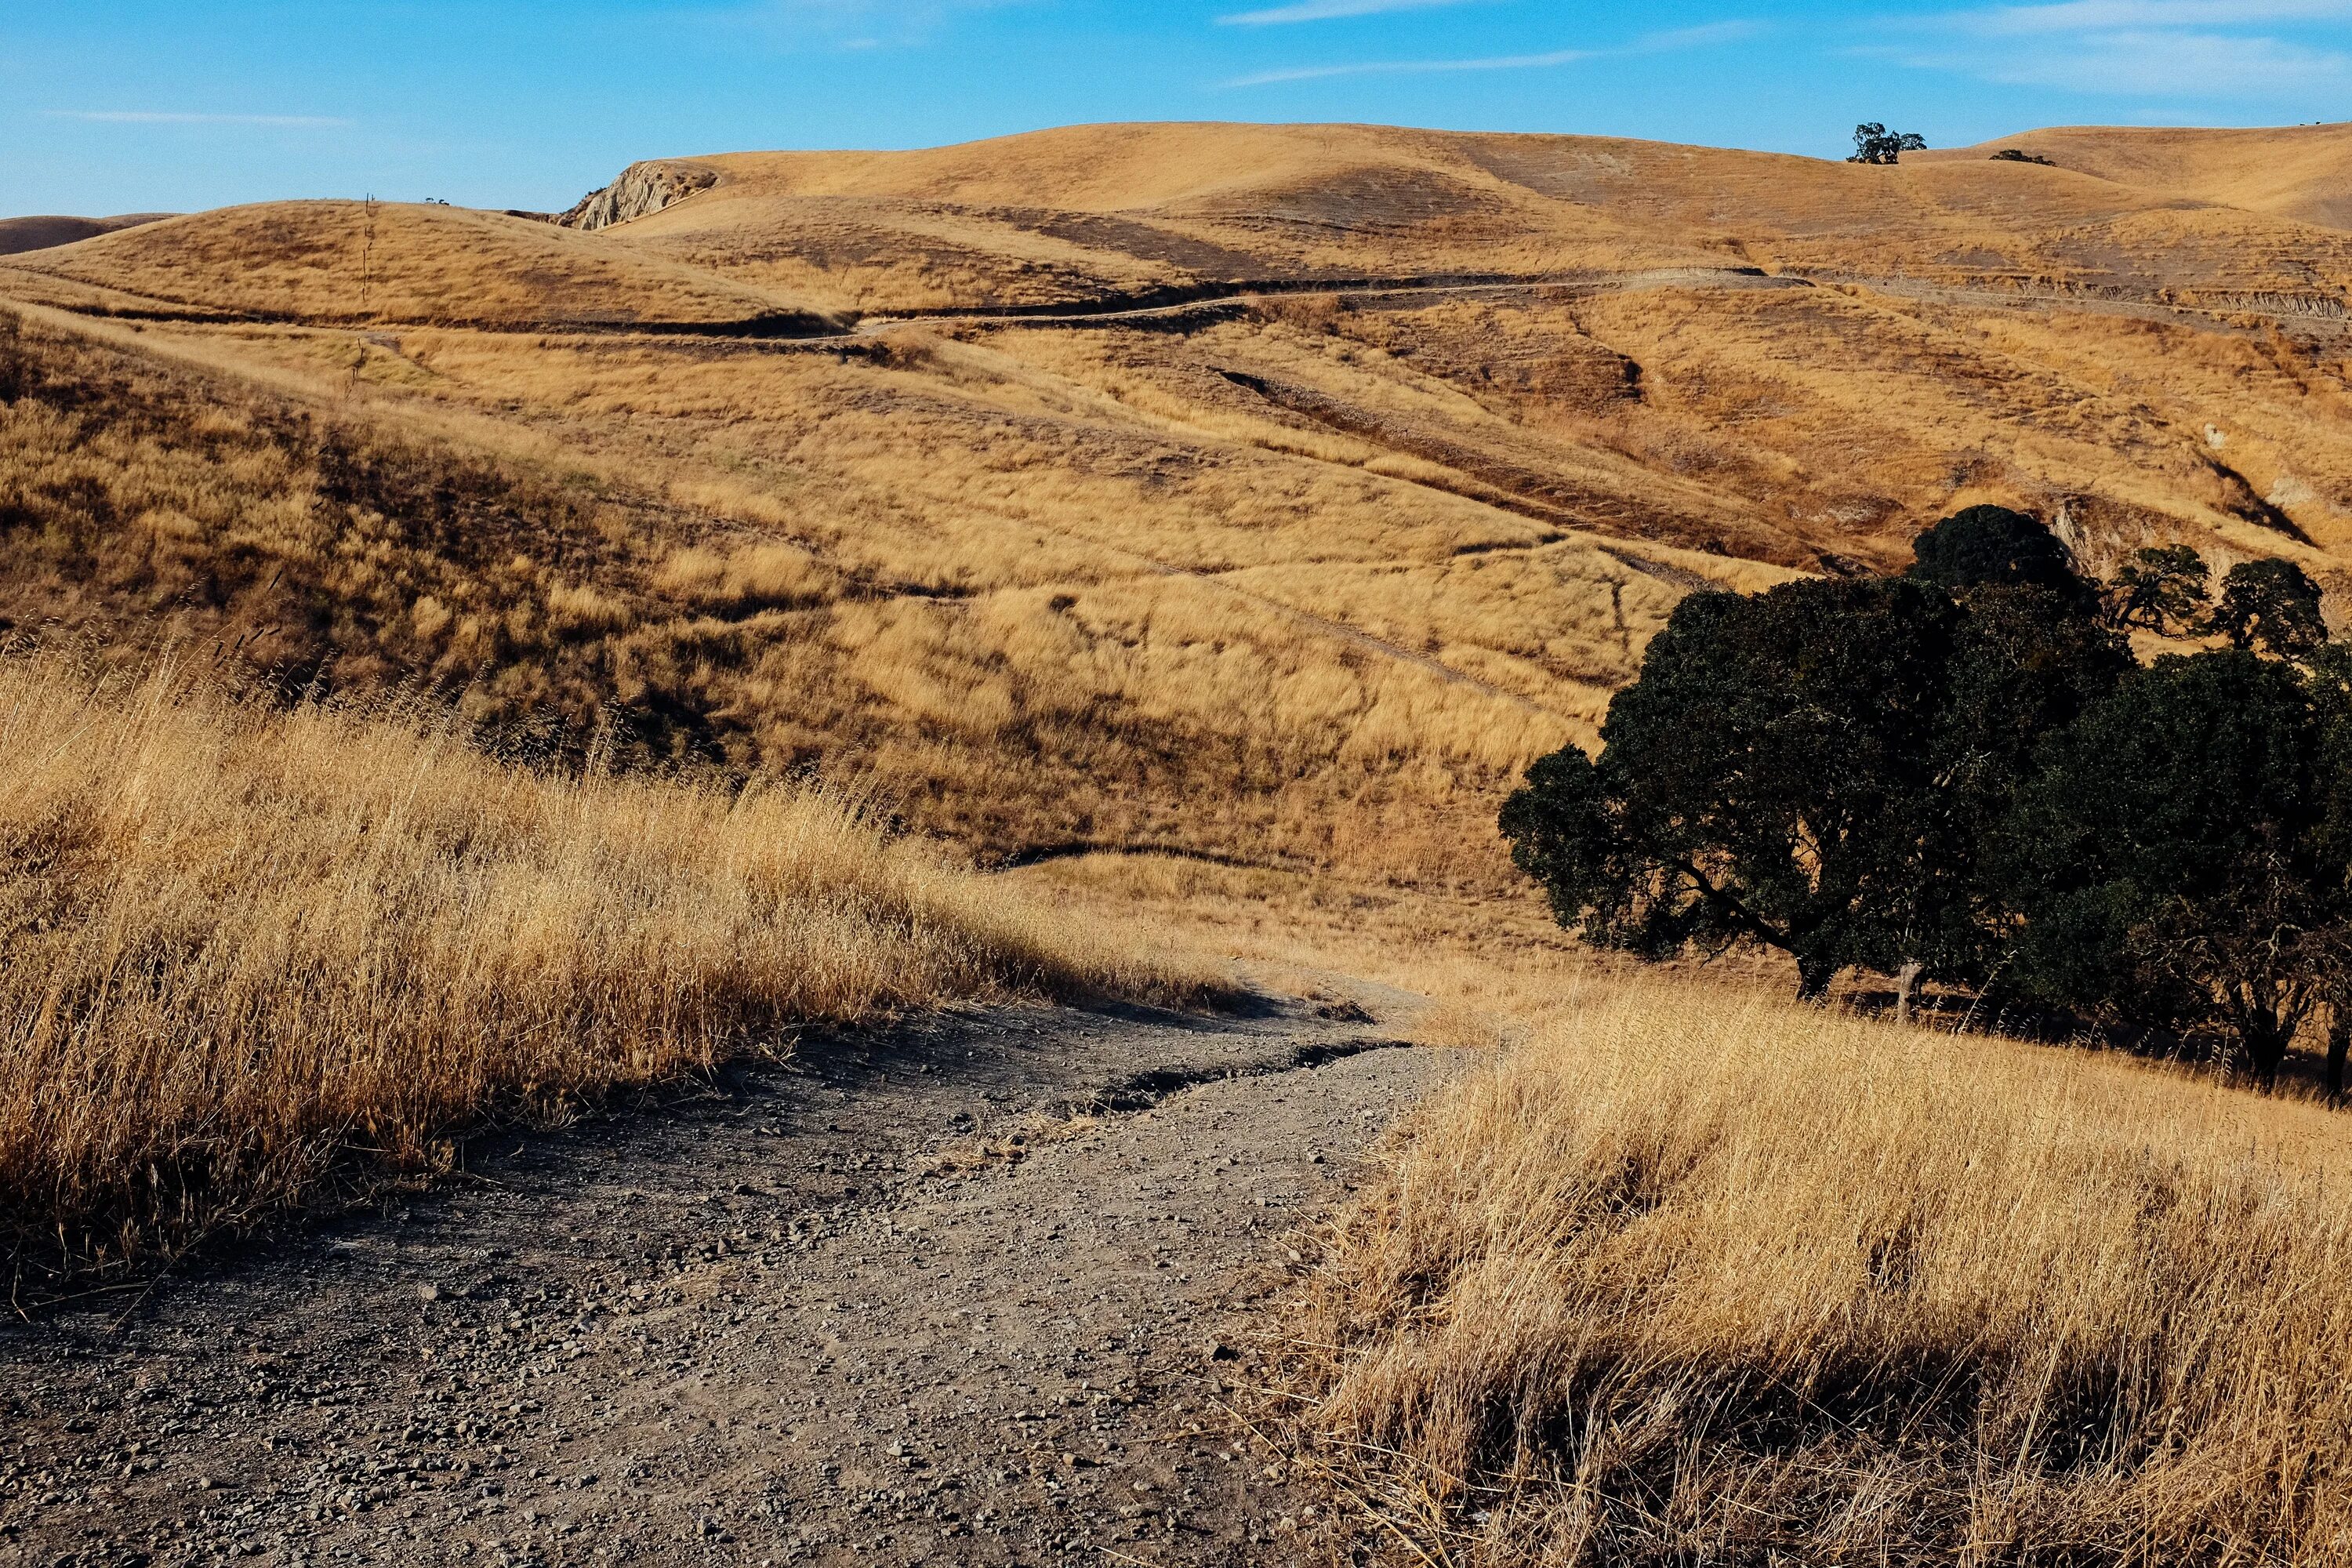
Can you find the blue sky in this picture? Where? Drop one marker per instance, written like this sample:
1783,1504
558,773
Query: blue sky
128,105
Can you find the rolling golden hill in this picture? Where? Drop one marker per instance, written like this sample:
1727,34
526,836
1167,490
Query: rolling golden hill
388,262
1271,494
2303,172
1073,214
40,233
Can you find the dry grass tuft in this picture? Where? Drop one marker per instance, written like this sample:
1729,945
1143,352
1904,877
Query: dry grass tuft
242,949
1697,1276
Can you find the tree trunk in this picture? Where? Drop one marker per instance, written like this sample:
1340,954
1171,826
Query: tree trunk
1813,976
2339,1037
2265,1043
1906,986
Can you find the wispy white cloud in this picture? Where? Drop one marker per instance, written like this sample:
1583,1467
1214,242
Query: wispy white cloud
157,117
1650,43
1700,37
1415,68
838,24
1328,11
2171,48
2170,64
2126,16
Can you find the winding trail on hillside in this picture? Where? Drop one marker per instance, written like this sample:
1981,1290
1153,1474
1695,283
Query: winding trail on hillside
986,1290
1181,307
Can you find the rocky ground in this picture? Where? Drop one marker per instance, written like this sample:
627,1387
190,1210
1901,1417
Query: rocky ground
981,1292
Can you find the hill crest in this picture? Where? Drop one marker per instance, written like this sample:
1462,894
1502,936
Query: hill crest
44,231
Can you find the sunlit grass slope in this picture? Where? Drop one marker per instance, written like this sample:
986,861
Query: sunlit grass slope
2301,172
1082,211
248,953
401,262
1090,638
1695,1274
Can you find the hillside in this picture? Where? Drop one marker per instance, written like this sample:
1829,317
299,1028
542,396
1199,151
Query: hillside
397,263
2303,172
1265,493
18,235
1070,214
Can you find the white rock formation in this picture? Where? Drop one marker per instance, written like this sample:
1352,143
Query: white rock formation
643,188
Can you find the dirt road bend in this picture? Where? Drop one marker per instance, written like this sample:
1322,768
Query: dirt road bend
820,1313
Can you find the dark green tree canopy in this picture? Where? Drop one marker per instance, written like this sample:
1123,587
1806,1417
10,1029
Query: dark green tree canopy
1809,768
2328,671
1991,546
2164,588
2027,665
1961,773
1873,144
2170,859
12,360
2273,605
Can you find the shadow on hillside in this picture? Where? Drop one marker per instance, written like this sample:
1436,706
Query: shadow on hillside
2203,1053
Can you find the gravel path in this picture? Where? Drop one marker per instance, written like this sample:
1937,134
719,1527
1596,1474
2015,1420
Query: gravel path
970,1294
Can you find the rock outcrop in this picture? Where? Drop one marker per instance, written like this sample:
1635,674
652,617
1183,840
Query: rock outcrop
643,188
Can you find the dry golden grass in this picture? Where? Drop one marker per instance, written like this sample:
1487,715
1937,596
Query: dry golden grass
2293,171
252,954
1304,581
1689,1273
1082,211
1043,657
399,262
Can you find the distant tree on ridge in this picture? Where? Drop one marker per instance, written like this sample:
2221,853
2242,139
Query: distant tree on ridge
1873,144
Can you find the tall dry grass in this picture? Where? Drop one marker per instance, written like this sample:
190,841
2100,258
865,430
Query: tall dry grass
244,951
1015,681
1695,1276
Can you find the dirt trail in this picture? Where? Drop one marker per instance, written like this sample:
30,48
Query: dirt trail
805,1316
1199,304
